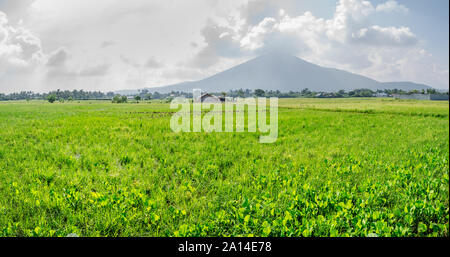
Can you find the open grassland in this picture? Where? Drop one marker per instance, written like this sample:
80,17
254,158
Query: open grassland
370,105
340,167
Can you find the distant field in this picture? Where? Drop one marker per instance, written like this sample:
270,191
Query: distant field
371,105
340,167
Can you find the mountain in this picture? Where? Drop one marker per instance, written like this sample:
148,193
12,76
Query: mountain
285,73
406,86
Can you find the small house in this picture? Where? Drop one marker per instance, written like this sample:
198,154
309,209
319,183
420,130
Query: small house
208,98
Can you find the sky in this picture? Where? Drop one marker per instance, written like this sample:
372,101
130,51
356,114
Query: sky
110,45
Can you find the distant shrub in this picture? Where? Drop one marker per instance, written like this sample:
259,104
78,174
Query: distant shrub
260,92
51,98
119,99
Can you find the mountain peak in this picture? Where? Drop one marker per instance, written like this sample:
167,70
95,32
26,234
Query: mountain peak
277,57
284,72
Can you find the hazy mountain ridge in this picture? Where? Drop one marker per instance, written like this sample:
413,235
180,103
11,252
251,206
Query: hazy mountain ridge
285,73
405,85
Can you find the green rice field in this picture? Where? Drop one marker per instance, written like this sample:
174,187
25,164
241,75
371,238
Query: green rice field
340,167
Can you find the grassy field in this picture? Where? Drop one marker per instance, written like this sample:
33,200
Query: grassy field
340,167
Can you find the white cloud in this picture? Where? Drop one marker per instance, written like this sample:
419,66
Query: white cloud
15,9
349,25
346,41
57,58
60,64
392,6
255,37
94,35
20,56
113,44
18,46
390,36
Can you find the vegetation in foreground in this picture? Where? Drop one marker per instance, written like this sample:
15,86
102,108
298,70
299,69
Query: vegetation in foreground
341,167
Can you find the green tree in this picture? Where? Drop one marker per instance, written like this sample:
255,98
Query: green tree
306,91
260,92
51,98
119,99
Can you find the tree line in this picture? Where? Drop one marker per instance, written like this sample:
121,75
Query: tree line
67,95
58,95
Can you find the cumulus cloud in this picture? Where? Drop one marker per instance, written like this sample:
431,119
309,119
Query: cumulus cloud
348,40
18,46
15,9
57,58
255,37
220,41
57,47
304,33
392,6
20,57
380,36
59,65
